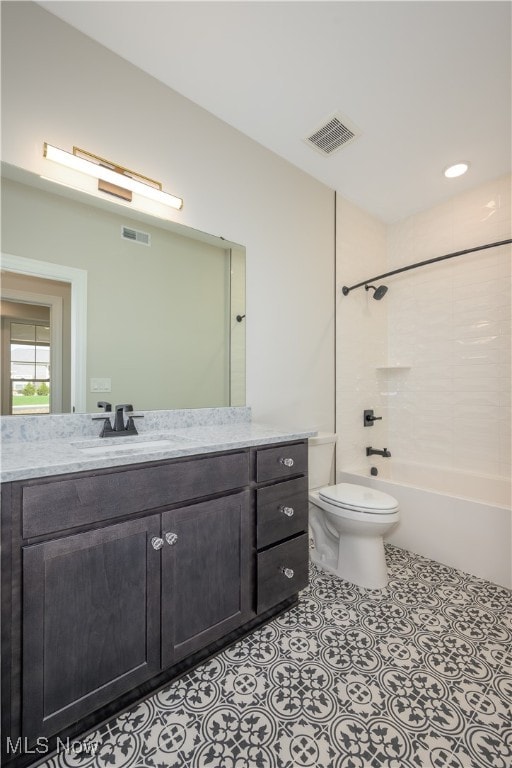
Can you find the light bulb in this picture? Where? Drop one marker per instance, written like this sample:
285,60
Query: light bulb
456,170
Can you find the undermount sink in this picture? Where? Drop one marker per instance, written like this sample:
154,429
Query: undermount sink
113,445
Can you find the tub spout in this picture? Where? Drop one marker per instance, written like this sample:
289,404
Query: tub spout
374,452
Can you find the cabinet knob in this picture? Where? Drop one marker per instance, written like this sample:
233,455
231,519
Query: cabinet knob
171,538
288,572
287,462
288,511
157,542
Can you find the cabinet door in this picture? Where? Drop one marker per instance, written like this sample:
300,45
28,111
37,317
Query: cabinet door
90,621
205,574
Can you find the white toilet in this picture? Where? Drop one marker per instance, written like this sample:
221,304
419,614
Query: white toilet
347,521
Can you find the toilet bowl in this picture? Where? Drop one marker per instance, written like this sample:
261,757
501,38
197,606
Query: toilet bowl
348,523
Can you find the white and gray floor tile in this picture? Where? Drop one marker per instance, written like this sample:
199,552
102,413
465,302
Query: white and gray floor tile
414,676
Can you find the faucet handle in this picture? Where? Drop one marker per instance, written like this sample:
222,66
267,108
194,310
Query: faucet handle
107,426
130,424
105,405
369,417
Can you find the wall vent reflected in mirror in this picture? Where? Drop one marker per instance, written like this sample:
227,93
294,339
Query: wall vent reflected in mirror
136,235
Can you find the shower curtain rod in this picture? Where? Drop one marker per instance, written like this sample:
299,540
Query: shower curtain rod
346,289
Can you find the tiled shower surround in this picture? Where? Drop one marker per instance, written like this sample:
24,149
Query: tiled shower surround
413,676
433,356
451,323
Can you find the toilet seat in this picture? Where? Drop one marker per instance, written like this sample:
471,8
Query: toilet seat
358,498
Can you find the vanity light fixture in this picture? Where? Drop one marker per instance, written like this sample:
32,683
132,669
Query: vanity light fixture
459,169
112,178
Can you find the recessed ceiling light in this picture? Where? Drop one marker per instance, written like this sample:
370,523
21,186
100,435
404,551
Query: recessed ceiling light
456,170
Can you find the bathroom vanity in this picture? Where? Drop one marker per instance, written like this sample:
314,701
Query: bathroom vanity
120,576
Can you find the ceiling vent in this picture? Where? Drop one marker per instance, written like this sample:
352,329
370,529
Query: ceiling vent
136,236
336,132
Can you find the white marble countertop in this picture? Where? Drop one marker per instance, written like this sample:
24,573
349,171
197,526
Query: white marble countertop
24,459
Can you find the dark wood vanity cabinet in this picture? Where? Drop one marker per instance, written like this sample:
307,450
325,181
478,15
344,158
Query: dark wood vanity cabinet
281,523
206,574
104,601
90,621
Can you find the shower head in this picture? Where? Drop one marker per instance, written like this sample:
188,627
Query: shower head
379,292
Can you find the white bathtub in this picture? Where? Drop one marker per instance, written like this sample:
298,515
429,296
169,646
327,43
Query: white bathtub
456,518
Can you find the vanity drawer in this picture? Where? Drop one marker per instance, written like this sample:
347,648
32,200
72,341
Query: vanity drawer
81,500
281,461
281,511
282,571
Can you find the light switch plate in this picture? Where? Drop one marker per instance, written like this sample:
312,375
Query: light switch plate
101,385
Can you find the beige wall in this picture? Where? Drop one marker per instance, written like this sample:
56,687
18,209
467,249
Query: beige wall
61,87
237,328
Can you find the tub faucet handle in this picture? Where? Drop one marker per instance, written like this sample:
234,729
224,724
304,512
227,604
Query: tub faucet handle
369,418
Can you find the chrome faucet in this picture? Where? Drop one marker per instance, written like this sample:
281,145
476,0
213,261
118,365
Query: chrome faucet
373,451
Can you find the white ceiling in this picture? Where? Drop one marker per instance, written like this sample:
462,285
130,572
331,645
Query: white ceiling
428,83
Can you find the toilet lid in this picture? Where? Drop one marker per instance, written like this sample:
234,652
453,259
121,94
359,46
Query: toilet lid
358,497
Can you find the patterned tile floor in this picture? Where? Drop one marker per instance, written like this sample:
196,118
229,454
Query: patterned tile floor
414,676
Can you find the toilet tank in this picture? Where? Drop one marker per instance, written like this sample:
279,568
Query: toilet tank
321,459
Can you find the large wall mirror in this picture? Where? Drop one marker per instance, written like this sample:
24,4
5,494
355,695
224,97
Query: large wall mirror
103,303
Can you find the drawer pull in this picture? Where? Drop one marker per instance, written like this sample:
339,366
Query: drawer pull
288,511
288,572
157,542
287,462
171,538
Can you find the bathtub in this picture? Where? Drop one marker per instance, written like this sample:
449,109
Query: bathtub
462,520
